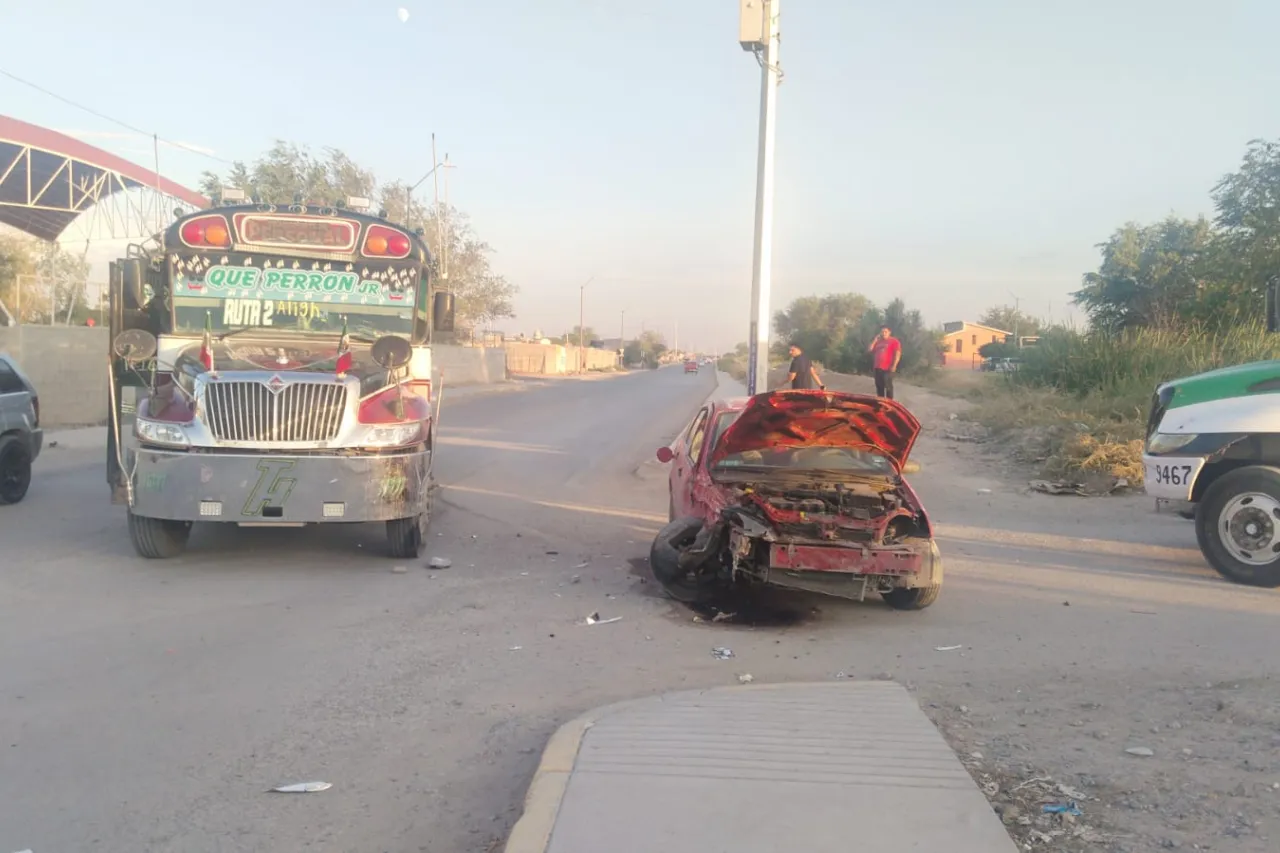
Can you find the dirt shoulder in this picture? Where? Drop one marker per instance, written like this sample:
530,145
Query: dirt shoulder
1124,703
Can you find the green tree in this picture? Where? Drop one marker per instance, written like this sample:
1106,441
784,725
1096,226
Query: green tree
820,324
1009,319
49,277
646,349
1149,275
287,171
998,349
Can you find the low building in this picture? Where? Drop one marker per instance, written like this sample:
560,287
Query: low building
961,341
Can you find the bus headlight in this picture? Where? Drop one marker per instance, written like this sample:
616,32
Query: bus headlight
393,435
161,432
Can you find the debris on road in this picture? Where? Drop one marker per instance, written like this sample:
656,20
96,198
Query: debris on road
515,648
439,563
1141,751
399,570
1062,808
746,678
721,653
946,648
582,565
594,619
303,788
723,617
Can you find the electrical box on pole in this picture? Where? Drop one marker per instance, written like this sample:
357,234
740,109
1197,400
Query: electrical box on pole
753,32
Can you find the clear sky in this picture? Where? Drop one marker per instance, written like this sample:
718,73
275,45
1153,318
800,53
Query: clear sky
956,154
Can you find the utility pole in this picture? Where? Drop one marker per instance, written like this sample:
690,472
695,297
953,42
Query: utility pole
435,180
582,331
759,35
1017,315
676,343
444,248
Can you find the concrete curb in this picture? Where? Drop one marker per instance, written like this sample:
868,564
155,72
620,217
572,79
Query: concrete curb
532,832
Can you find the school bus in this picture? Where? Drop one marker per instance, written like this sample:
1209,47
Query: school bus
271,366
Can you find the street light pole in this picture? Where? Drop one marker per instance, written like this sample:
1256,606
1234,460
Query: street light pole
764,44
582,347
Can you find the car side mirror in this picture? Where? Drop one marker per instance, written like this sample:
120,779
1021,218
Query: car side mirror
132,280
665,455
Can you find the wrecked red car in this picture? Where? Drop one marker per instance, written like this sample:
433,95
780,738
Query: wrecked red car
797,489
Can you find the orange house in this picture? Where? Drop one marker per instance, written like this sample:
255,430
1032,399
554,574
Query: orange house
962,339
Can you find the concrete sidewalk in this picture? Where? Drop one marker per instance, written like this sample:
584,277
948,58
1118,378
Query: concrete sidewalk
816,767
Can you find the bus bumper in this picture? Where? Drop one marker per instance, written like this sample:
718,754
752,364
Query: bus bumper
265,489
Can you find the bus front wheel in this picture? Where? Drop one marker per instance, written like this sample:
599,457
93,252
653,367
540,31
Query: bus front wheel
158,538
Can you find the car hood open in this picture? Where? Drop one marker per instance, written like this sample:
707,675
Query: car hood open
821,419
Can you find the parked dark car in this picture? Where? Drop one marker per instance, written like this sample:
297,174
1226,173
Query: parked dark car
20,434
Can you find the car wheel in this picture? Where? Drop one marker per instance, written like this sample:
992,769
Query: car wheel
687,586
1238,526
916,598
158,538
15,469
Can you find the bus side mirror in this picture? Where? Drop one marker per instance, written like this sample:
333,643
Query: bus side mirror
1273,304
442,311
132,276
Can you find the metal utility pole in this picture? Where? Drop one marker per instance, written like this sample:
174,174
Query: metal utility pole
759,34
622,331
582,346
435,179
1017,315
675,344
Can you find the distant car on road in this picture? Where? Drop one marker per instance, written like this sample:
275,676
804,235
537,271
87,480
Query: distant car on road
797,489
691,366
20,434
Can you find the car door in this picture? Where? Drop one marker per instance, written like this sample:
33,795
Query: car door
683,465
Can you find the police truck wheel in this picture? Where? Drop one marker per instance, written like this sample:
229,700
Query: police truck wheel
405,536
158,538
15,469
1238,526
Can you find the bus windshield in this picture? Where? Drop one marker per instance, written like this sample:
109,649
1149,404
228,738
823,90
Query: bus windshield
292,294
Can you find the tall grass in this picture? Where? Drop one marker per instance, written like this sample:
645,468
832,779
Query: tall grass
1078,403
1133,363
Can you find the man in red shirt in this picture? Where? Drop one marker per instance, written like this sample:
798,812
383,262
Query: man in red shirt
886,352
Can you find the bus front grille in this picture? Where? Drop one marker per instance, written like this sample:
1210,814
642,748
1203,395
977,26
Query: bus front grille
254,412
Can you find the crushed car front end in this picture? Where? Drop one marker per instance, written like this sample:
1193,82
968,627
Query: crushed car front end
805,491
846,537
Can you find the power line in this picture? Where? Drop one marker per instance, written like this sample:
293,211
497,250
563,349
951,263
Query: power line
112,119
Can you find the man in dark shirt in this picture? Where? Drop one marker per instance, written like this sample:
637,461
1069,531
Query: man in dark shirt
802,373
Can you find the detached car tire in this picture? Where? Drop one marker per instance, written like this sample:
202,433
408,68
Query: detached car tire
664,559
1238,526
15,469
158,538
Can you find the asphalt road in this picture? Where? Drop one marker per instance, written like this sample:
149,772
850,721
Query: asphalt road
149,705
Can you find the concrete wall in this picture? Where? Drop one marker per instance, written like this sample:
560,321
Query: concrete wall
469,365
554,360
68,366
